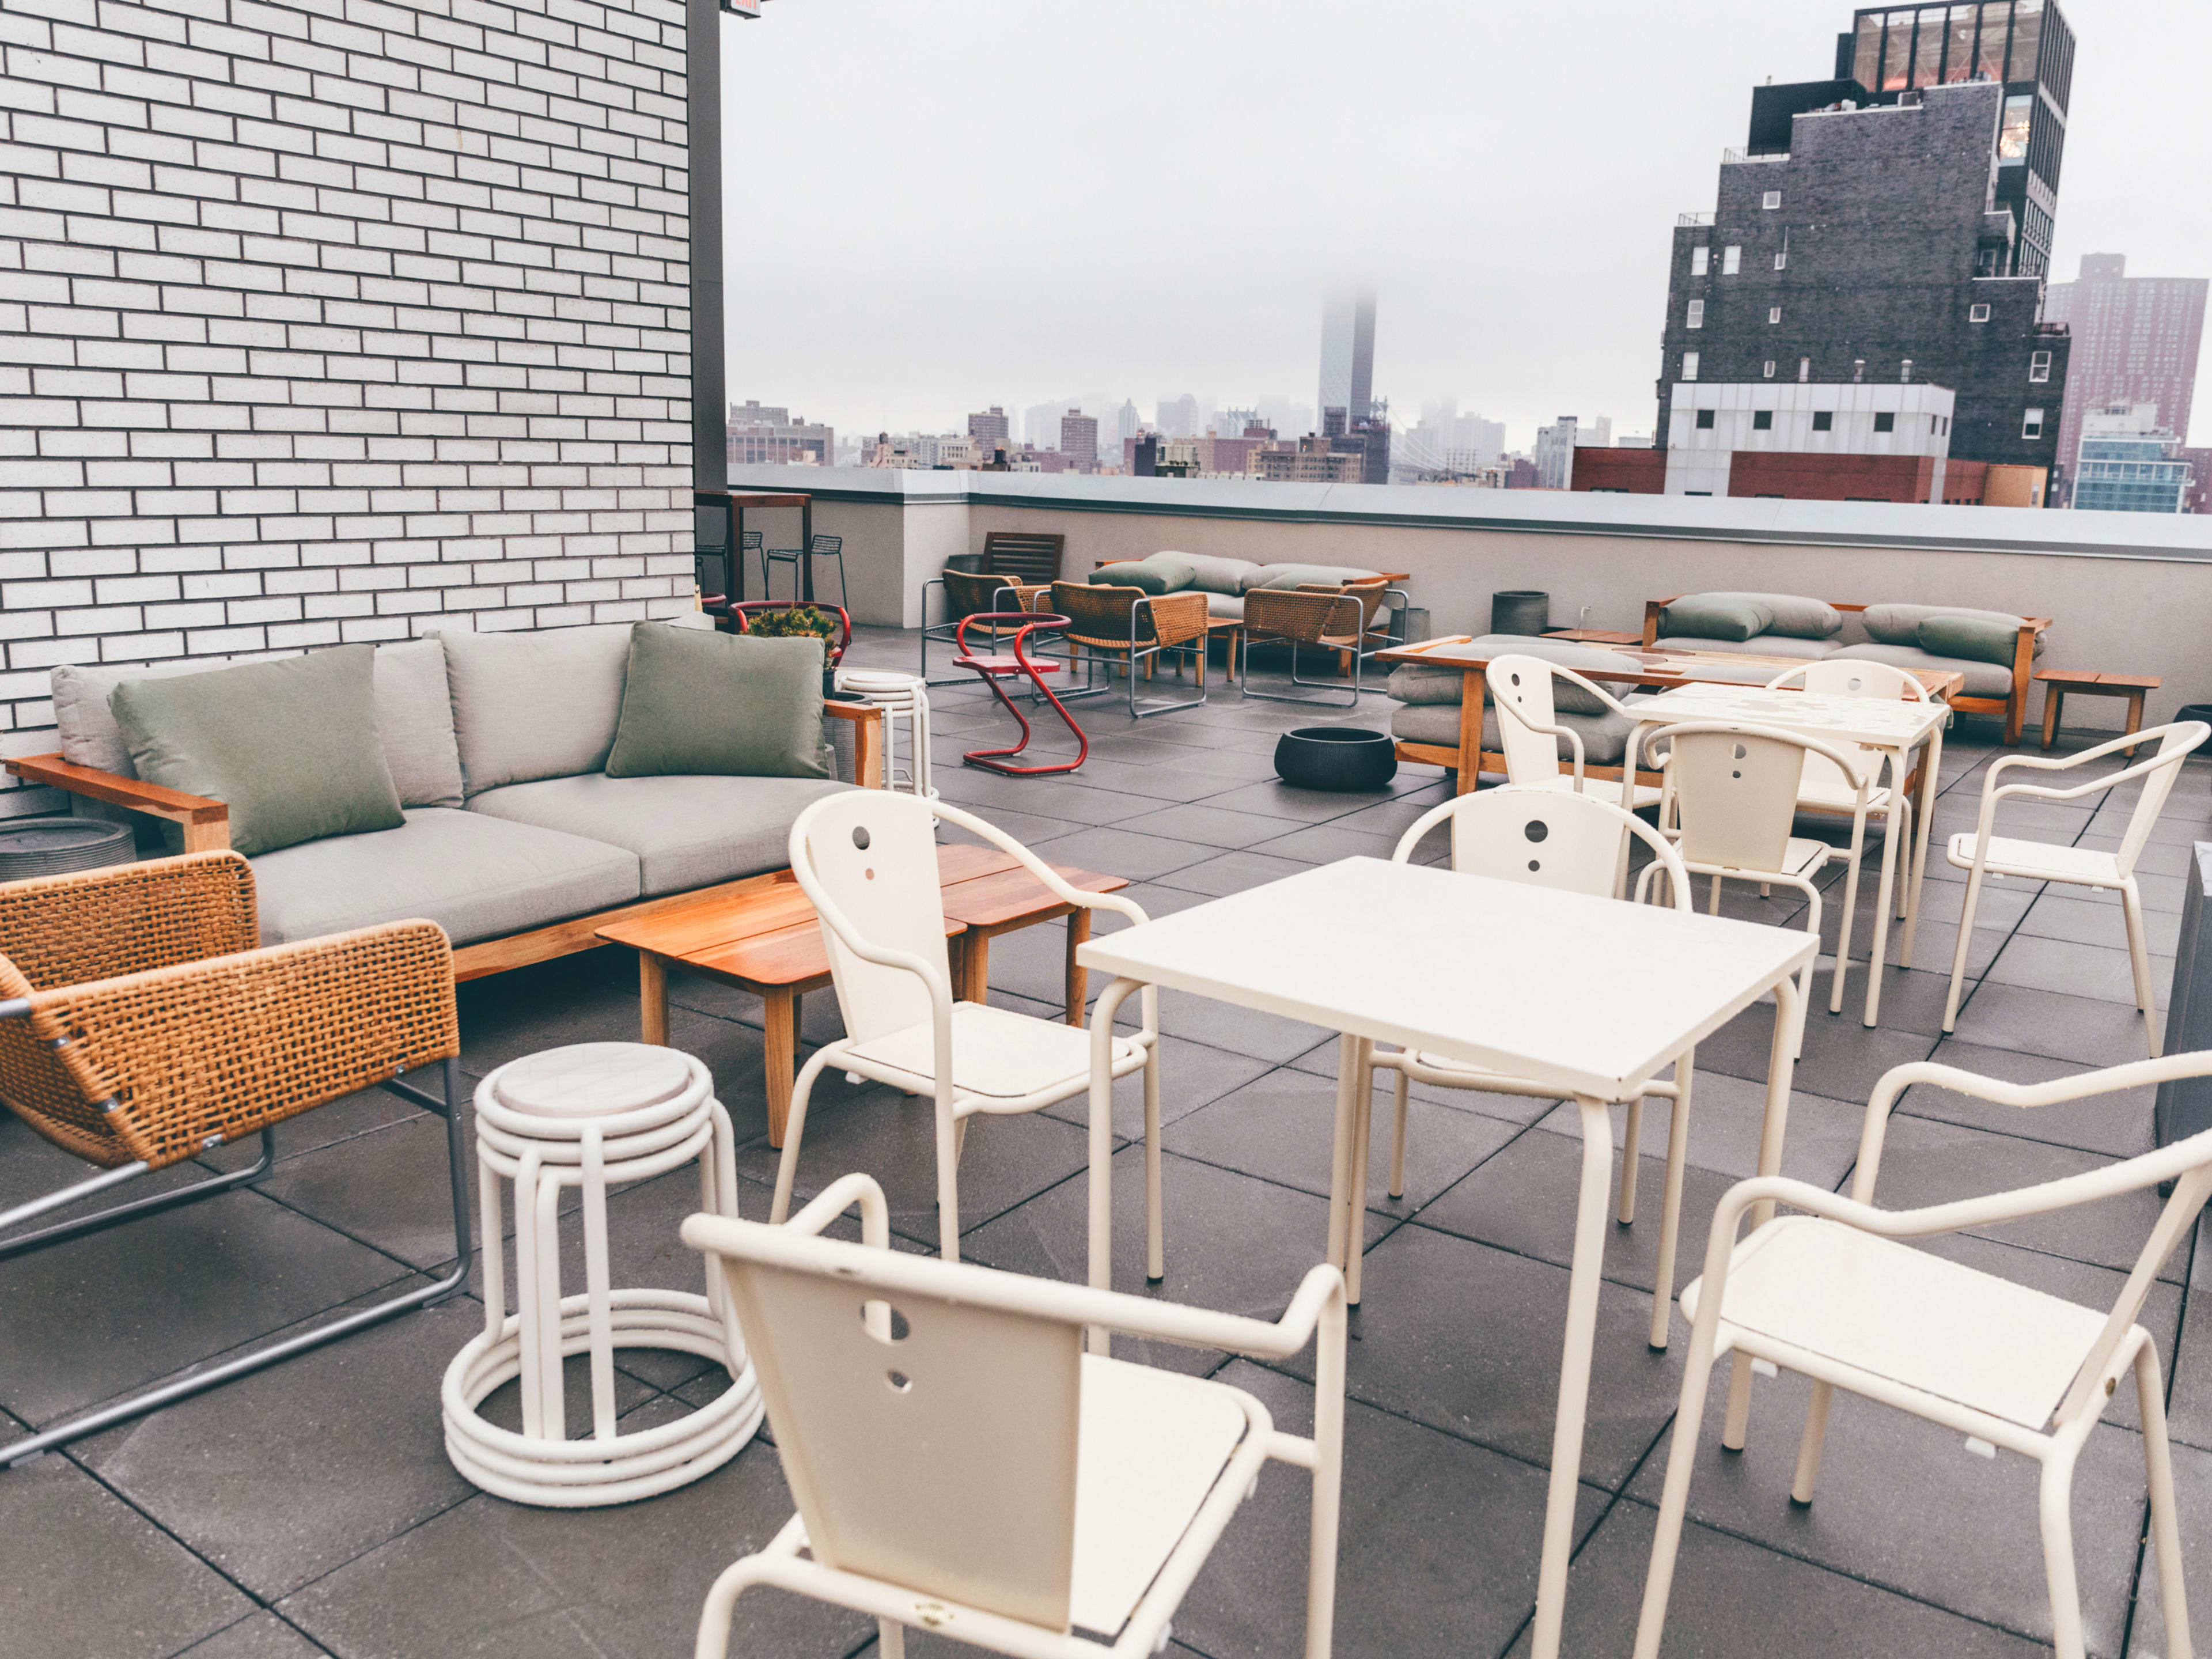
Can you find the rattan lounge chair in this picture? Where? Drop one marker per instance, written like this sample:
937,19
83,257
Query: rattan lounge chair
1337,621
141,1025
1107,625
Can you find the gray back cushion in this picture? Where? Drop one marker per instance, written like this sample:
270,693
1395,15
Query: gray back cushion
1899,624
1423,685
414,716
536,705
1212,574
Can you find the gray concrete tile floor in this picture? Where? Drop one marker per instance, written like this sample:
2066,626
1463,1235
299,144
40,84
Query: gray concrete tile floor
311,1509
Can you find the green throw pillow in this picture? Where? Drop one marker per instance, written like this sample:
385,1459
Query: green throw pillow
719,705
1714,616
1975,636
1161,573
290,746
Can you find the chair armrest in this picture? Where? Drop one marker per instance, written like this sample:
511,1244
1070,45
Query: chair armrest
867,723
157,1067
128,918
840,1195
206,822
1652,610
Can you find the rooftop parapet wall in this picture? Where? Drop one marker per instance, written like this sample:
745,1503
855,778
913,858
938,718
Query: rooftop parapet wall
336,320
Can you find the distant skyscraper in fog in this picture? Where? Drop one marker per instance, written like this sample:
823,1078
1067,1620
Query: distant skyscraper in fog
1347,353
2135,341
1178,416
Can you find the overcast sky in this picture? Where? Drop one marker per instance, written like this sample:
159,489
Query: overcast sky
938,206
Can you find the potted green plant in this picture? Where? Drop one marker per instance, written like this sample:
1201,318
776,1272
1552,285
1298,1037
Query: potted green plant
774,619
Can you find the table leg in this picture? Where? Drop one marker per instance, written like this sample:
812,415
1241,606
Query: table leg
806,549
1923,813
1079,977
1102,1145
2053,701
1893,832
2134,720
1781,1065
1362,1136
1340,1157
1470,727
974,966
1582,1282
651,999
735,586
781,1006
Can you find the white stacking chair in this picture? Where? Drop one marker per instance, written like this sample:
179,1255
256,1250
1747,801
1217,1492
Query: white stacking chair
1984,854
868,859
1529,729
1824,788
1834,1295
1730,799
1545,839
962,1466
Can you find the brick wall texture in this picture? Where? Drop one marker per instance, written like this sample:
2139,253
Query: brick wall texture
335,320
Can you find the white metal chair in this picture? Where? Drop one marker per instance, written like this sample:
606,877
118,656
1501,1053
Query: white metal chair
962,1466
1730,799
1529,729
1545,839
1833,1295
1981,852
868,859
1826,788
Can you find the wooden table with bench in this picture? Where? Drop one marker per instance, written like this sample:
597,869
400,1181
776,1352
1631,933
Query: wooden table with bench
769,941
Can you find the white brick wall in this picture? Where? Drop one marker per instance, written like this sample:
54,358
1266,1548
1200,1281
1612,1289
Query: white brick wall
335,320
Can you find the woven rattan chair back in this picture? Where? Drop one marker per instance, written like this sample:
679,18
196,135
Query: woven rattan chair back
968,594
1102,618
874,854
1370,595
928,1442
1030,557
1734,795
1307,616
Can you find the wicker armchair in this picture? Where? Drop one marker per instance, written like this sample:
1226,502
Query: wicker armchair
1382,624
141,1025
1335,621
1129,626
971,593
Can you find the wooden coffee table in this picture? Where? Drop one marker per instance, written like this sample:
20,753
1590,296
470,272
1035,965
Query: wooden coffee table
769,942
2059,683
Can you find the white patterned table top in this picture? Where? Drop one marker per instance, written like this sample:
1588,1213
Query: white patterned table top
1877,722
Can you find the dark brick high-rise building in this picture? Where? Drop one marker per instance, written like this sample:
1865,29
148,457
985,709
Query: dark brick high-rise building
1893,223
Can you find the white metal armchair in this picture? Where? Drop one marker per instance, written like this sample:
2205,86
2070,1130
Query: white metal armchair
1984,854
1833,1295
868,859
1545,839
962,1466
1529,729
1825,787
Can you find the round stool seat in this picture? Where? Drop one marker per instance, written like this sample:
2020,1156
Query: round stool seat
587,1116
878,682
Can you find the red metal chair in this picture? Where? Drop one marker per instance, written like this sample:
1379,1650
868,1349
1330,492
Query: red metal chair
997,666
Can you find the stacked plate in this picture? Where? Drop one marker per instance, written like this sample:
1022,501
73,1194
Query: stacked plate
59,846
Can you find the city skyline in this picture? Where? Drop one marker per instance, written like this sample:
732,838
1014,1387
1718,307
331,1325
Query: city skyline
1125,270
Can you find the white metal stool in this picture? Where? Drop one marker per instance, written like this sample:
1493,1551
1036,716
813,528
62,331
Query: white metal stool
901,696
590,1116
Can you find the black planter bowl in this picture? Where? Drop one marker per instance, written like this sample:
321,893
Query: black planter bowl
1344,758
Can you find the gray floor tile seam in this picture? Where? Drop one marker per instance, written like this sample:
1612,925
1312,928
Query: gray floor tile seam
213,1637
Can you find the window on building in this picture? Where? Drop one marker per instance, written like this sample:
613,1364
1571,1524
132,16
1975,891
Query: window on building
2031,425
1705,420
1697,313
1947,426
2039,366
1774,313
1697,492
1772,200
1804,370
1978,314
1823,420
1701,261
1689,365
1782,260
1886,421
1762,420
1905,370
2012,137
1770,368
1731,260
1931,426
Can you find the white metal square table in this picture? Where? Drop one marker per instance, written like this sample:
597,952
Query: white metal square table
1894,725
1593,994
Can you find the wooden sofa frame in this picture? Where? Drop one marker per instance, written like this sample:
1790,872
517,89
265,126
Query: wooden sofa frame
206,826
2014,708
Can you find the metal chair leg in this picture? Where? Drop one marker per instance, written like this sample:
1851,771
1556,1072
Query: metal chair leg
449,1108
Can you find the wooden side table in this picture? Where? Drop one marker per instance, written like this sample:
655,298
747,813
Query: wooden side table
2057,683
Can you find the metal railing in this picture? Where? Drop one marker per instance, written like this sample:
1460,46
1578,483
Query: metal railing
1730,157
1682,219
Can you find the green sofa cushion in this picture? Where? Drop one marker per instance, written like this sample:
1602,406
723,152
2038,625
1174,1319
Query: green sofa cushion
1791,615
1160,572
1733,616
1215,574
1307,575
719,704
1976,636
290,746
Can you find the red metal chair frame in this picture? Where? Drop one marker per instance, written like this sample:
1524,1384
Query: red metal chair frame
744,608
998,665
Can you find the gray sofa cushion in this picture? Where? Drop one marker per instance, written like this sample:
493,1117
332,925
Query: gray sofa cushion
1984,679
1436,685
476,876
536,705
1761,645
414,716
1605,737
1156,573
1213,574
685,831
1307,575
1411,682
1231,605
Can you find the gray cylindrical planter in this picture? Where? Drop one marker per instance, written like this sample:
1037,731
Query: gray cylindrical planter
1520,611
2184,1105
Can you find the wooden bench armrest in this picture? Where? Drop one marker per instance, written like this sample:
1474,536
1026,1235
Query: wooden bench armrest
867,739
206,822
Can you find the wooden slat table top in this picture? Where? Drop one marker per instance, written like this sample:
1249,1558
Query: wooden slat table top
774,937
2086,677
1657,668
